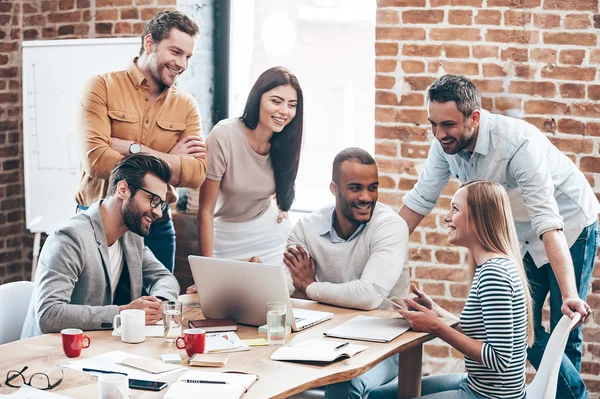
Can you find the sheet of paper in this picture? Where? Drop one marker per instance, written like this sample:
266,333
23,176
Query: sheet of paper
108,361
224,342
27,392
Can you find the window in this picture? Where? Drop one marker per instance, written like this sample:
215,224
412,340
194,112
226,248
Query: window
330,46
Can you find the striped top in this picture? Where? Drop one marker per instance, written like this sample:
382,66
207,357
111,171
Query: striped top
496,314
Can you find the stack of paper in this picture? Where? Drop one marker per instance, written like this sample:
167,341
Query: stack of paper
224,342
204,384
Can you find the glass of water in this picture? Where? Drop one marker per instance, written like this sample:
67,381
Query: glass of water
172,313
276,312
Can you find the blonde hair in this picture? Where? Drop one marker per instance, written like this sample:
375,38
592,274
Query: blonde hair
490,216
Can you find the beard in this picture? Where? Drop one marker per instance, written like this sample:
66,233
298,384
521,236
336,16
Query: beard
156,75
463,142
132,218
347,209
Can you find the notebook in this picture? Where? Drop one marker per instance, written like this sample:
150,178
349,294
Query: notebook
208,360
236,385
370,328
317,350
214,325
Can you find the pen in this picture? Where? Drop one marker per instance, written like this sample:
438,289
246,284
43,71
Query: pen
341,346
102,371
205,382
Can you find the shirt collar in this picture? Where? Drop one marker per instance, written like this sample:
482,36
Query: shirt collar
135,74
327,228
483,135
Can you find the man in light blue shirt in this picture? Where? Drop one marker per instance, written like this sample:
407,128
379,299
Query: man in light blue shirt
554,207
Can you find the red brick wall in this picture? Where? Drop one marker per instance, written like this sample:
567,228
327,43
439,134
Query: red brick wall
535,58
44,19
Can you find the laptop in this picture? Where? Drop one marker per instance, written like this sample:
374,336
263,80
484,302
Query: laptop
241,291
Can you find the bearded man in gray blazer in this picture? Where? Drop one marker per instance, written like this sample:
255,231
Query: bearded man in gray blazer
95,265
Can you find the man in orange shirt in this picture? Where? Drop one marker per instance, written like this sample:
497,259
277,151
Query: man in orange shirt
140,110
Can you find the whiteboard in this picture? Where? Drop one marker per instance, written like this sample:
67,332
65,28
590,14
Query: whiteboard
54,75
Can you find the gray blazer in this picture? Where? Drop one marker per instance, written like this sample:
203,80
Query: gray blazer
72,284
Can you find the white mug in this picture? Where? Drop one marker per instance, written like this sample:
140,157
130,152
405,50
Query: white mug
113,386
131,324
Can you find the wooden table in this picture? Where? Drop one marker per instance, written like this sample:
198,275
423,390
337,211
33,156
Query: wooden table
277,379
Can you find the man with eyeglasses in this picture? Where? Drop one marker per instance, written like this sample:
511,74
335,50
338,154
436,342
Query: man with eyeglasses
96,265
141,110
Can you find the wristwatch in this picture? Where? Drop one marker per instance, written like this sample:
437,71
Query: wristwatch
135,148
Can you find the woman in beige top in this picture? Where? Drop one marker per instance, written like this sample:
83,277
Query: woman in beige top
252,159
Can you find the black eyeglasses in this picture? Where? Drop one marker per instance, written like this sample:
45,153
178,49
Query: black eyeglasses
155,201
42,381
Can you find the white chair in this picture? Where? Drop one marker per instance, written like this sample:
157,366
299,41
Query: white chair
14,302
545,381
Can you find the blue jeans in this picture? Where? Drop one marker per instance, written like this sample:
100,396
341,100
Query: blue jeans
443,386
360,386
160,240
543,281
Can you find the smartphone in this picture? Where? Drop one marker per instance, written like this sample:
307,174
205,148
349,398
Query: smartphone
147,385
394,304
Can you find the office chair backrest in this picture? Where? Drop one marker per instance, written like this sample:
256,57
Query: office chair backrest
545,381
14,302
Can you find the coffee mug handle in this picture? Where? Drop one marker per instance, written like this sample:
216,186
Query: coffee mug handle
89,341
177,343
117,324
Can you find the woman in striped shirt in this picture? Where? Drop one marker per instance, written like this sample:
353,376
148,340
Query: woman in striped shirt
496,324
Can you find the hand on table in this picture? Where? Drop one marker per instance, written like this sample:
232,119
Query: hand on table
190,145
150,305
302,267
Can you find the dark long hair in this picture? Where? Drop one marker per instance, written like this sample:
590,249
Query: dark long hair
285,145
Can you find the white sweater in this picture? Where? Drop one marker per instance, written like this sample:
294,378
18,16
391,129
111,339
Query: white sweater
346,271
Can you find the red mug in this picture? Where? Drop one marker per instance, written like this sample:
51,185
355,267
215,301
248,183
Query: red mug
193,341
73,341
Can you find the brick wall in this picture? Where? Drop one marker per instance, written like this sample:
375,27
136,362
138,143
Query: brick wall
33,20
532,58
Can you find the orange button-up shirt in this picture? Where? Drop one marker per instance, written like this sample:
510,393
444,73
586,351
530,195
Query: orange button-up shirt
117,104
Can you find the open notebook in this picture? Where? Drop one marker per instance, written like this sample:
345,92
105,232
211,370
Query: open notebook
317,350
233,387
